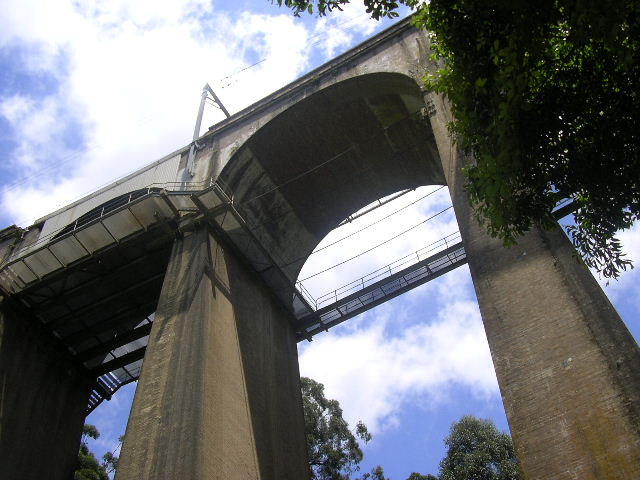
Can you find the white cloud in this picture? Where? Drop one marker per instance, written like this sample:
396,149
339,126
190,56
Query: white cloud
128,77
356,242
15,108
373,367
39,128
627,287
335,32
400,352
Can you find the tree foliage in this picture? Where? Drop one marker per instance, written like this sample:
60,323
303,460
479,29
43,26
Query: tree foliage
376,8
418,476
375,474
378,474
88,466
546,96
334,452
476,449
110,461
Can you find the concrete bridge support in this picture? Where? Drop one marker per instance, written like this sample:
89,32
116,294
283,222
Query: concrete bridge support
568,368
219,394
43,401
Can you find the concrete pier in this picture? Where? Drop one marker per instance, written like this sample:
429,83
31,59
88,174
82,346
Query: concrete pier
219,393
568,368
43,401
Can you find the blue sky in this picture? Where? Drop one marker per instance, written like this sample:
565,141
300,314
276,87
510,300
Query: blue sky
92,90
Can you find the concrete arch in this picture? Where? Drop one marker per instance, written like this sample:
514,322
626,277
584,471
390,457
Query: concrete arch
329,155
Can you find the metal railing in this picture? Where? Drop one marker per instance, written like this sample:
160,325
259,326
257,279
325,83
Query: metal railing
363,282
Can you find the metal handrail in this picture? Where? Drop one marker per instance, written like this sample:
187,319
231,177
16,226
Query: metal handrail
362,282
187,187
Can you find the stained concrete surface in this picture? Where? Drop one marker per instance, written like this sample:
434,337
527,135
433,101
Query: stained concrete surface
219,394
43,400
567,367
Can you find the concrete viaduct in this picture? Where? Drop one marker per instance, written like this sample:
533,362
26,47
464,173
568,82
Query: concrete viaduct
190,264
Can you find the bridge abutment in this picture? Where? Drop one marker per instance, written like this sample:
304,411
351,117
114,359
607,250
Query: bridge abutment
219,393
568,368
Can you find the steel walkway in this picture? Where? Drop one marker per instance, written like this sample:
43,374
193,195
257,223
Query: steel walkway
381,291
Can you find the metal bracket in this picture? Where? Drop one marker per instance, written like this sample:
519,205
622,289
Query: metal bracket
206,91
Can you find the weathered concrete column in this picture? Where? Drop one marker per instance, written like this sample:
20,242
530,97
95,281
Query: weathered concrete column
43,401
568,368
219,393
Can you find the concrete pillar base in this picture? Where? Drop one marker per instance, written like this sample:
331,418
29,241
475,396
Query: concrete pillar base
43,402
219,393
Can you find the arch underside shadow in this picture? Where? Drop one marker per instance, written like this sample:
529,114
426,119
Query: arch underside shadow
328,156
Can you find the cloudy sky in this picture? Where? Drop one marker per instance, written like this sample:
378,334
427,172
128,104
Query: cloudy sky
92,90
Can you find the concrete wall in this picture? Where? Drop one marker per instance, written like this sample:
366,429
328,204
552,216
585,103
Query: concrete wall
568,369
265,352
566,365
219,395
329,155
43,400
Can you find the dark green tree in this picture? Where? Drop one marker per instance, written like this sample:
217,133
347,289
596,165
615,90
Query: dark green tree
477,450
376,8
375,474
418,476
378,474
110,462
334,452
88,466
545,96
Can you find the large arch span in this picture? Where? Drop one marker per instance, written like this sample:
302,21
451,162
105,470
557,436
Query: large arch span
329,155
